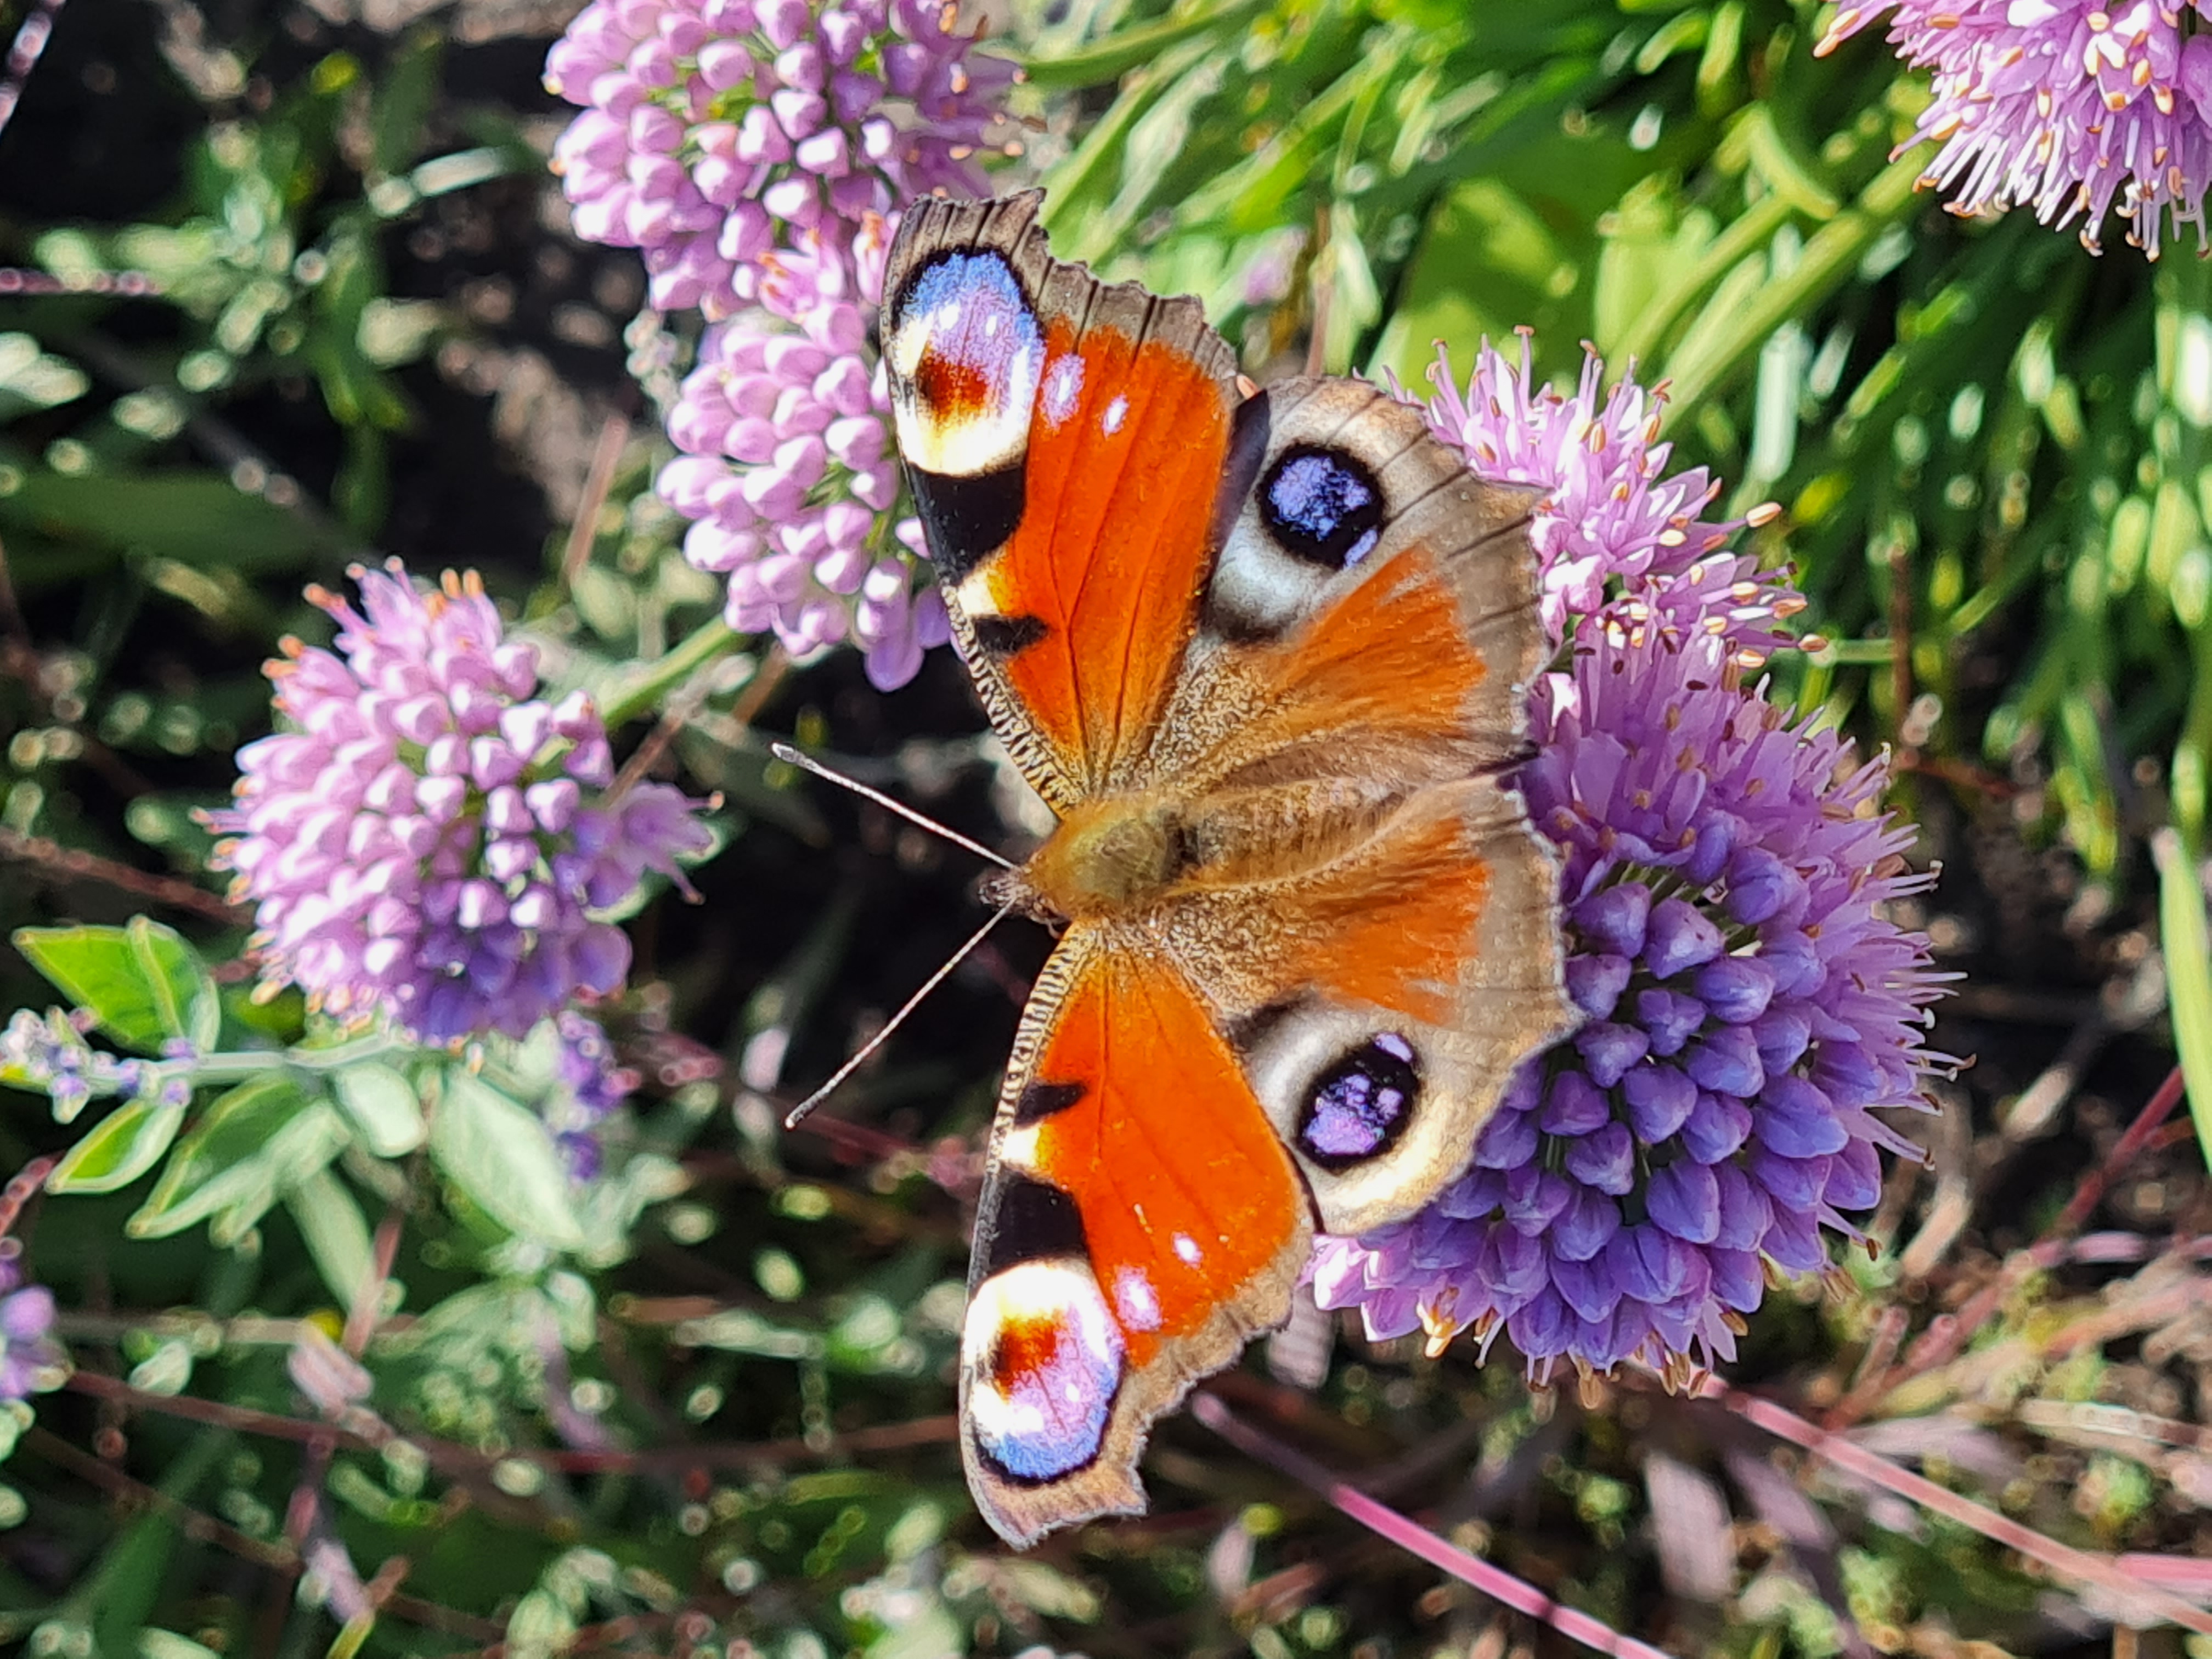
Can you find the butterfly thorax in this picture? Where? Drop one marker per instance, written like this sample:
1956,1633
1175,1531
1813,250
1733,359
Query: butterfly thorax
1117,855
1107,856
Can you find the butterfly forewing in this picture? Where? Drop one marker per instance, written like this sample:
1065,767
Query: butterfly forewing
1065,441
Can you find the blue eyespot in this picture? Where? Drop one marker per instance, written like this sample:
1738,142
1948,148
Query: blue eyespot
1358,1107
1323,505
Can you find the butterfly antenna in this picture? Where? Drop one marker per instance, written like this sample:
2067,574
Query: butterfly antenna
785,753
798,1113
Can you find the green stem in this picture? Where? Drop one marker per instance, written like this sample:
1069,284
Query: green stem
2185,293
642,691
1832,251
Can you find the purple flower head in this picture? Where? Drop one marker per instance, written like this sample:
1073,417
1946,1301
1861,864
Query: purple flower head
1747,1008
716,131
789,474
590,1085
429,839
31,1360
1612,528
2066,106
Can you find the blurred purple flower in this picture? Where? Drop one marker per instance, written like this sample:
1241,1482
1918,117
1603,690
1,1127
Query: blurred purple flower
1747,1008
430,839
31,1360
49,1053
2064,105
716,131
590,1085
1612,528
789,475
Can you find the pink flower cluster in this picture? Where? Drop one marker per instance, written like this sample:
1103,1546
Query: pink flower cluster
1747,1004
430,840
1612,530
2068,106
757,153
788,475
715,131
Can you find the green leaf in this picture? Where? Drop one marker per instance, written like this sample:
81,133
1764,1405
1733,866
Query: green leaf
118,1149
226,1155
184,991
197,518
144,983
337,1236
383,1108
1132,48
2182,938
498,1152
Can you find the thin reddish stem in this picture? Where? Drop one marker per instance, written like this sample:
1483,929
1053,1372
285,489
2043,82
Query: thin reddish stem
1944,1338
1411,1537
2100,1570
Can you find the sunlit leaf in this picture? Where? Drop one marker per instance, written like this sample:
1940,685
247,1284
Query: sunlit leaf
382,1106
143,983
498,1153
118,1149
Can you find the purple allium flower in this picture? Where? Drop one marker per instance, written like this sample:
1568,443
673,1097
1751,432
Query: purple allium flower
2062,104
789,474
1613,526
714,130
31,1361
590,1085
1747,1008
430,839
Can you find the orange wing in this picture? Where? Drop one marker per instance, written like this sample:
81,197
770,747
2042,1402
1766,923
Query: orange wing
1142,1221
1068,442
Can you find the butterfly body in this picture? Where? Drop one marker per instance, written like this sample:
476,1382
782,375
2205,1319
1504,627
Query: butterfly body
1264,656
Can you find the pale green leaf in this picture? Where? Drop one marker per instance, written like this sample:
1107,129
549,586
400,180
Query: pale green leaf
498,1153
144,983
330,1222
118,1149
2187,945
383,1108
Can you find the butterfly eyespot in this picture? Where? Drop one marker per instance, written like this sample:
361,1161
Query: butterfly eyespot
1359,1104
1323,505
964,353
1044,1359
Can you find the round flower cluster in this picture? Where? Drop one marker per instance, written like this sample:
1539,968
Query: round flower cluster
788,474
2066,106
1612,525
430,840
714,130
1747,1006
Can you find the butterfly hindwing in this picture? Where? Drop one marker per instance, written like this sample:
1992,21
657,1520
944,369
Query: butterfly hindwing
1066,441
1141,1222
